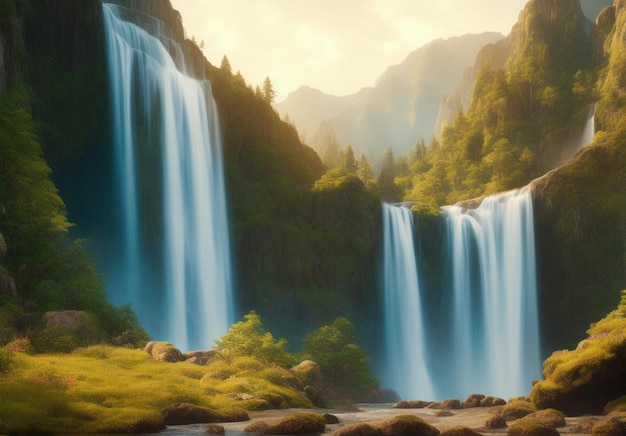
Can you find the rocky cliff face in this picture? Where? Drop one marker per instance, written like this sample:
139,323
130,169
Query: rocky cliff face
580,212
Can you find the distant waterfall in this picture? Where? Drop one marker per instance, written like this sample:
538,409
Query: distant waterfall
174,264
484,336
590,129
406,370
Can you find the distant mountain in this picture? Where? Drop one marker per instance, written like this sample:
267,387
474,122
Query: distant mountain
400,109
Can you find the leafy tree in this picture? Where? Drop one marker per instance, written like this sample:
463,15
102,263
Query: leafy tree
249,338
269,94
334,348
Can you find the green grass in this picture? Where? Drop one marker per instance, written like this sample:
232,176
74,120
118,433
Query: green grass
106,389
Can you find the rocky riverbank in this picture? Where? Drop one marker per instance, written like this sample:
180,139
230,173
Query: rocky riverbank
443,420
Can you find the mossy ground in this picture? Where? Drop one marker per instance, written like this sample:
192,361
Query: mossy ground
106,389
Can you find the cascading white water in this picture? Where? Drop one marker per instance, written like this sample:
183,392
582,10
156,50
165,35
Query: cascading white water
173,117
483,336
495,323
590,129
406,369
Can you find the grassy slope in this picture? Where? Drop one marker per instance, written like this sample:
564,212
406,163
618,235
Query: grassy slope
105,389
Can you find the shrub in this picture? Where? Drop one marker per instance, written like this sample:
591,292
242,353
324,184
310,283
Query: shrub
249,338
19,345
6,360
52,340
342,361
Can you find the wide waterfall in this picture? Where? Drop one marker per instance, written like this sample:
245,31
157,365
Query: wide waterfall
480,333
174,261
404,329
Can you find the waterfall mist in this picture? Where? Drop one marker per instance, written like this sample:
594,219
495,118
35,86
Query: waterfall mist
479,329
174,264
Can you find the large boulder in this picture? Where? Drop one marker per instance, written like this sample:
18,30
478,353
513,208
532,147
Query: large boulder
307,371
585,380
164,352
185,413
78,323
298,423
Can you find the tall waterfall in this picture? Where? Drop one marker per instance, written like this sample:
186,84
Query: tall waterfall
404,329
494,295
174,264
484,336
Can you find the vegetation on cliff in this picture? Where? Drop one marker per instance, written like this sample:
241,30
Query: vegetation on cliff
520,110
42,268
305,247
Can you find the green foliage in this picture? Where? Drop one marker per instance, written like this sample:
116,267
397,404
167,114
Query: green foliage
32,210
51,271
386,179
249,338
53,340
6,360
544,83
333,347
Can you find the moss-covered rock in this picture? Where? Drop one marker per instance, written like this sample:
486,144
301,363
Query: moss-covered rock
584,380
360,429
517,409
164,352
550,417
459,431
531,428
448,404
298,423
496,421
407,425
607,428
186,413
411,404
401,425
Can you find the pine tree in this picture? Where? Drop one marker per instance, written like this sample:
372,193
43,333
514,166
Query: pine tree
386,179
269,94
349,162
365,172
225,65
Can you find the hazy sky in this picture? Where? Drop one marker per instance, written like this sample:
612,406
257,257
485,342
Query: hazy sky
337,46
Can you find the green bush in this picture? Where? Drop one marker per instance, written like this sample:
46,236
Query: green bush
53,340
6,360
341,361
249,339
